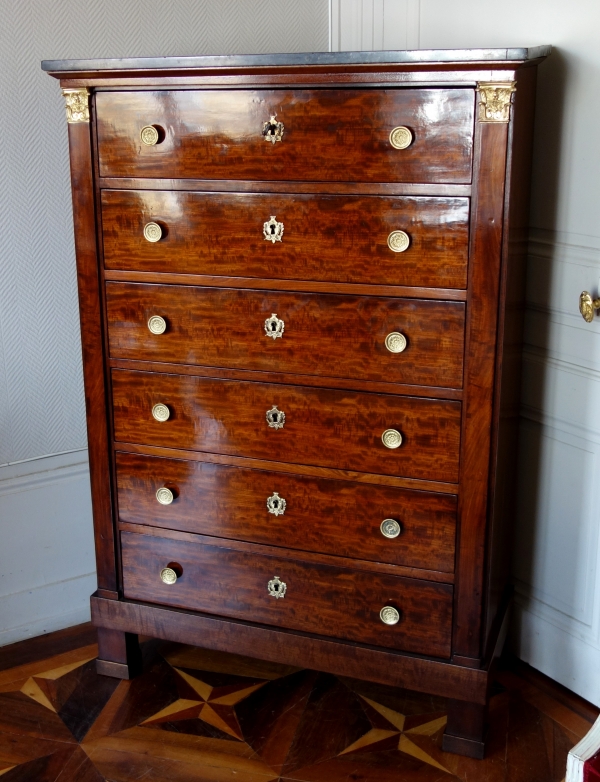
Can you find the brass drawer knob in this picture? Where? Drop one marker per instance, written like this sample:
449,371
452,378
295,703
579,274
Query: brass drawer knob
149,135
276,504
390,528
273,130
153,232
398,241
395,342
587,305
274,326
161,412
272,230
157,325
275,418
391,438
168,575
389,615
401,137
165,496
276,587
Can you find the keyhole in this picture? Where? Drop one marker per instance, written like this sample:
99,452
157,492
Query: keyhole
276,587
275,503
272,129
273,326
272,227
274,417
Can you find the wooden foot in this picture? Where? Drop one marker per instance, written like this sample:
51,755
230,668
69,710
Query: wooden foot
119,654
466,729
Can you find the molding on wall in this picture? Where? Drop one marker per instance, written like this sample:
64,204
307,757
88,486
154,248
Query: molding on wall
47,470
371,25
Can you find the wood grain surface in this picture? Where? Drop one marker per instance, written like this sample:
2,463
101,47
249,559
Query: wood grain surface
328,601
323,334
331,238
332,134
322,426
332,517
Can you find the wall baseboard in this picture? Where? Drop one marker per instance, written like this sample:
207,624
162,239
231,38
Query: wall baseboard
47,569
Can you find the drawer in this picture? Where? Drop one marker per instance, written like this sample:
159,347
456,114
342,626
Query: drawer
325,237
328,134
319,334
293,511
317,426
329,601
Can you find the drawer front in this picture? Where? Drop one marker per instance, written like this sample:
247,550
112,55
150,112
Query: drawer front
292,511
336,135
323,427
329,601
327,238
311,334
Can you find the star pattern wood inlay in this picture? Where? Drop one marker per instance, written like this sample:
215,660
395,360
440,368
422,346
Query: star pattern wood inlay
200,715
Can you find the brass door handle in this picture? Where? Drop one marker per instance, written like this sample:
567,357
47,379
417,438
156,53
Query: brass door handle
587,305
390,528
391,438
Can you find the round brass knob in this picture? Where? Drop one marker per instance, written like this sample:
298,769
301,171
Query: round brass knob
157,325
389,615
390,528
149,135
161,412
395,342
391,438
398,241
153,232
165,496
168,575
587,305
401,137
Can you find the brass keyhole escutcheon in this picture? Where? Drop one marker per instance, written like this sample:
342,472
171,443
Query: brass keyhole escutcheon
277,588
276,504
273,230
275,418
273,130
274,326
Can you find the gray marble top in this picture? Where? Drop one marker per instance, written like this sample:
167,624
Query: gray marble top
313,58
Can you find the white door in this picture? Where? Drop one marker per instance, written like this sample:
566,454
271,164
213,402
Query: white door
556,572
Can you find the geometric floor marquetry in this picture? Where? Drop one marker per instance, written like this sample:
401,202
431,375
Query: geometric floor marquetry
195,715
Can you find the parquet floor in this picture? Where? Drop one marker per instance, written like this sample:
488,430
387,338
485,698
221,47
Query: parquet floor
196,715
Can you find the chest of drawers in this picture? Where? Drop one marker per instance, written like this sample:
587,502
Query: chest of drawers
301,284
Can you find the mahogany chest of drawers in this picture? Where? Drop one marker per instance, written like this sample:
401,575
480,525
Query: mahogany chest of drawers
301,284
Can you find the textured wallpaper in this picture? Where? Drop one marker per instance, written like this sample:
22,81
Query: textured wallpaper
41,390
